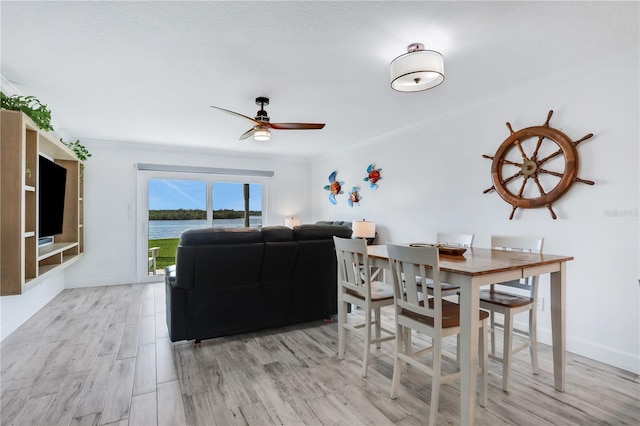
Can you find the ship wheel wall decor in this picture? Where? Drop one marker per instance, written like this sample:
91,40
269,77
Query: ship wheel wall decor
529,161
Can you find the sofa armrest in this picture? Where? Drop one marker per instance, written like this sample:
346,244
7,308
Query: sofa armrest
170,275
171,279
176,306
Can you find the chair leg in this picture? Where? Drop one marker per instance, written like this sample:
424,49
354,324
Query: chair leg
484,363
397,366
367,342
378,326
458,336
407,341
506,350
493,332
435,386
533,340
342,337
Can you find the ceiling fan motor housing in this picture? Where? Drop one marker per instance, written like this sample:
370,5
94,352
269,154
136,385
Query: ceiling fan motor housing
262,115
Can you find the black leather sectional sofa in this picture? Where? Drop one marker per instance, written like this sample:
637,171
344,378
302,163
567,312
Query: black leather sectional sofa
229,281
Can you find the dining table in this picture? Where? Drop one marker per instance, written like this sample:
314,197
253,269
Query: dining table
478,267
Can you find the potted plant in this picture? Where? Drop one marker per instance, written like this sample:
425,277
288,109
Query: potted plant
41,115
81,152
31,106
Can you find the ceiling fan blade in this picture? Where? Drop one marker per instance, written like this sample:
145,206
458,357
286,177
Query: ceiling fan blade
236,114
248,133
296,126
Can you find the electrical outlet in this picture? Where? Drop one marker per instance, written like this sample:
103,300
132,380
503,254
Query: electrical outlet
540,304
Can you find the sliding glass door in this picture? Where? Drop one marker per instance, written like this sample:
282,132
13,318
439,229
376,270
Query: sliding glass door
171,203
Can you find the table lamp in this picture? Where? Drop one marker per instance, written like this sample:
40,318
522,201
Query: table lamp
291,222
364,229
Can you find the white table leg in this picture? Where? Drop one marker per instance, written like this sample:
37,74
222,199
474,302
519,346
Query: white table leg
558,315
469,306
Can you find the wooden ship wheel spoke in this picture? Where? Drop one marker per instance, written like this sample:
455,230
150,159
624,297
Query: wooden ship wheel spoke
551,144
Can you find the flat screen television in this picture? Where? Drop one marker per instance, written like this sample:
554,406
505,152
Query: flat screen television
52,179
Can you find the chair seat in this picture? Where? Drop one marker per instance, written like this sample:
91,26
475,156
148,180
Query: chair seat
379,291
501,298
444,286
450,314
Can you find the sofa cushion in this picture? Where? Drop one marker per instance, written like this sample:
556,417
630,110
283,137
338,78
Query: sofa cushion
277,234
321,232
335,222
210,236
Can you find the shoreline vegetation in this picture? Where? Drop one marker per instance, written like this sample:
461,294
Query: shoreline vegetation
194,214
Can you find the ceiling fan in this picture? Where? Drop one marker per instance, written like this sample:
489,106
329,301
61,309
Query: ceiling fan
261,129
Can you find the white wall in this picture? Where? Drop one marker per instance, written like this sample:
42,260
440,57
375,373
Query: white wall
434,176
16,310
110,202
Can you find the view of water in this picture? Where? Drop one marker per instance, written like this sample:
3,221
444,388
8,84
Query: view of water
174,228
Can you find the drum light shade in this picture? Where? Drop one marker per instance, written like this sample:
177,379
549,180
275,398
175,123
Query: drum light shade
262,133
363,229
417,70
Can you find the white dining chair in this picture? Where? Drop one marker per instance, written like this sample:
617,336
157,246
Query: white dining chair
435,317
501,298
356,287
452,240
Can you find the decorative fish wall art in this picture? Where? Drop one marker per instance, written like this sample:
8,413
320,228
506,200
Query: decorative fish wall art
335,187
354,197
373,176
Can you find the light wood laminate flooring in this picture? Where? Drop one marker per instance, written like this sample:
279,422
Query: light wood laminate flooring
102,356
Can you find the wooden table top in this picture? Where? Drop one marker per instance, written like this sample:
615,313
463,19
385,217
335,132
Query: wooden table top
482,261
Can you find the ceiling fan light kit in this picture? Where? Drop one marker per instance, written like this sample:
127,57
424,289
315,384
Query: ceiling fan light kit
261,130
417,70
261,133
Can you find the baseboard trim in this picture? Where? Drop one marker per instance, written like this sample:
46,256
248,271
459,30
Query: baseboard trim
624,360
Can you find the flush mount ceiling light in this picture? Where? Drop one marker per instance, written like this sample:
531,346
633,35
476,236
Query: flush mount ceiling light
261,133
417,70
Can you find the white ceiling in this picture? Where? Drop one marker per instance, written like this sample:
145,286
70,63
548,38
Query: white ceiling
148,71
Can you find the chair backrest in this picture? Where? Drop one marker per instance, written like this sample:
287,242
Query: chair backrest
522,244
517,243
153,251
452,239
353,265
409,266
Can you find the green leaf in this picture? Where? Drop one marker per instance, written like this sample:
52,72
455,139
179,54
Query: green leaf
31,106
